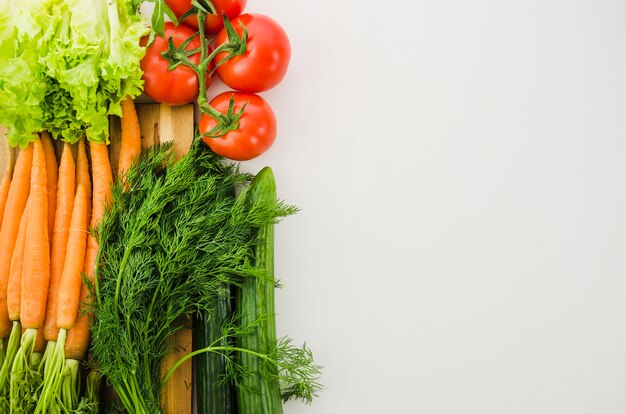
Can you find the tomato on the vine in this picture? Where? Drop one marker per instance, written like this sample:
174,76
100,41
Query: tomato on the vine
172,87
254,135
264,63
214,22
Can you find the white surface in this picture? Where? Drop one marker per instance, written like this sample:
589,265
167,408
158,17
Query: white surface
461,170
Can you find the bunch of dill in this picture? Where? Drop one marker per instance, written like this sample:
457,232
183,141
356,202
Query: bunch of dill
173,237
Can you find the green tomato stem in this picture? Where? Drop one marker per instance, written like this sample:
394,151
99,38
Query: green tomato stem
181,56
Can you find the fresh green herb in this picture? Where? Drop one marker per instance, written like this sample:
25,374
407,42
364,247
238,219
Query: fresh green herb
169,243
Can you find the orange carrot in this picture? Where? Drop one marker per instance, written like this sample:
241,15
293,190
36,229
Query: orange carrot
77,341
102,179
36,275
71,279
67,295
65,205
82,173
51,170
131,136
40,342
4,187
16,201
14,286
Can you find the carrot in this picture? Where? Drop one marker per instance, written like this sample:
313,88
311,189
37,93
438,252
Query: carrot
131,136
14,289
14,286
77,342
68,295
62,224
82,171
102,179
16,201
40,343
78,336
75,351
51,170
65,205
10,347
4,187
36,275
77,339
71,279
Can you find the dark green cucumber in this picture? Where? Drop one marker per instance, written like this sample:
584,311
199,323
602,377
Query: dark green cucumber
259,392
213,395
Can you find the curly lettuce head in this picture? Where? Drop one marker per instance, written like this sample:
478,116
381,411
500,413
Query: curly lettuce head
65,66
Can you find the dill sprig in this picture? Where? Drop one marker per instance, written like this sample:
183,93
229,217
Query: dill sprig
173,237
293,367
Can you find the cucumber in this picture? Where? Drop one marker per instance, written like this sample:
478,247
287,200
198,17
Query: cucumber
213,395
259,391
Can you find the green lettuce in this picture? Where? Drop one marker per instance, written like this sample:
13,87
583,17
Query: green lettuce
65,66
21,84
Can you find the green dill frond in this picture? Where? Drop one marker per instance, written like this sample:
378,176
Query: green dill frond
297,373
170,242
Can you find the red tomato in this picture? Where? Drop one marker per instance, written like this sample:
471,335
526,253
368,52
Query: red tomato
265,61
214,22
178,86
256,132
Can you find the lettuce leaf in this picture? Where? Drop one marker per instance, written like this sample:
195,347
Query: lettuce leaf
65,66
22,85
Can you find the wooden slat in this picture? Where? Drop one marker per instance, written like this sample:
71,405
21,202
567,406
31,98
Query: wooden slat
158,123
176,397
161,123
7,154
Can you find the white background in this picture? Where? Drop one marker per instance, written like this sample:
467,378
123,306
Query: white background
461,172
